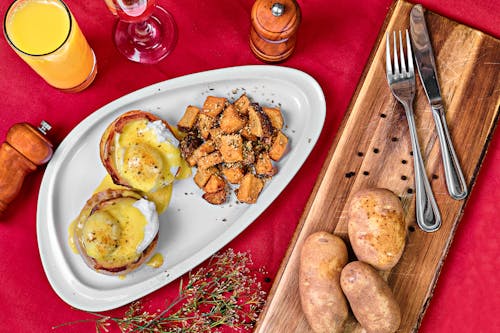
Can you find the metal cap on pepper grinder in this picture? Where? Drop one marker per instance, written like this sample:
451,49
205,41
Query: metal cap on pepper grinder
274,29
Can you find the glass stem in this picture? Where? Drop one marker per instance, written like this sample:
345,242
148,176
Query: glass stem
142,32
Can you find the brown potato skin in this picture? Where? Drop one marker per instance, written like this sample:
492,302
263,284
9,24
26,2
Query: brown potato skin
371,299
322,258
376,227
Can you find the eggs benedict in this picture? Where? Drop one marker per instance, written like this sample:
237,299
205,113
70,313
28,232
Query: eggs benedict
116,231
140,151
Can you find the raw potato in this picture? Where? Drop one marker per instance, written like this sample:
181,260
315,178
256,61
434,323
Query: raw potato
376,227
371,299
322,258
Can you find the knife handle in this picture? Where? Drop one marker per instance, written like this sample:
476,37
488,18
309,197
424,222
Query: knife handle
455,181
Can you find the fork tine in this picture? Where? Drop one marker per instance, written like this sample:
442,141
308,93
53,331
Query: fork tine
401,54
410,55
388,65
396,61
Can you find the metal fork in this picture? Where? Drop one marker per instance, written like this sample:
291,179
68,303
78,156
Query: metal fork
402,85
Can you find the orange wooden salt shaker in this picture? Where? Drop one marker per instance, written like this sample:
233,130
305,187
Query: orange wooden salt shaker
25,148
274,29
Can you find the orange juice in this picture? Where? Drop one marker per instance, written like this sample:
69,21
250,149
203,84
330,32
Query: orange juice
47,37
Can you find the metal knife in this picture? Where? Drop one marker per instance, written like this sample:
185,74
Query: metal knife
424,58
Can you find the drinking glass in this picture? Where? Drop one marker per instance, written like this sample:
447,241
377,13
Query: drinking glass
145,32
47,37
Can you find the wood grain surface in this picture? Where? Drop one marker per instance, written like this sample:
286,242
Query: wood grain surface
373,149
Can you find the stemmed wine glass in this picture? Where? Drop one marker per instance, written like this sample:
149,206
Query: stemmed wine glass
145,32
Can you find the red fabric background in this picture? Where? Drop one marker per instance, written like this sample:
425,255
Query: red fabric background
335,40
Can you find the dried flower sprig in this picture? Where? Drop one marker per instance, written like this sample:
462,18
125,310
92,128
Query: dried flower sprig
224,293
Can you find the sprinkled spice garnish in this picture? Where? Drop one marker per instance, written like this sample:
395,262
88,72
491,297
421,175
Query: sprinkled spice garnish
222,293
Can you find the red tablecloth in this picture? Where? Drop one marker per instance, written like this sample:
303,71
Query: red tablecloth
335,40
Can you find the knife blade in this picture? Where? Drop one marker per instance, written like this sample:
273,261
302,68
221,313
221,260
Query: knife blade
426,65
424,55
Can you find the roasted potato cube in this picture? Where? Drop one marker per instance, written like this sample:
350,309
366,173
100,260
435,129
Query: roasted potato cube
231,148
214,105
205,124
233,173
231,121
242,104
278,147
215,135
275,117
210,160
188,120
203,175
215,198
264,165
245,132
250,187
204,149
214,184
258,122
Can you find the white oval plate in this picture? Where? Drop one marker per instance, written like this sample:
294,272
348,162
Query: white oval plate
191,229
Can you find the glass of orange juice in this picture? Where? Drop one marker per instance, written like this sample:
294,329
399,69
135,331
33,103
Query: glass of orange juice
47,37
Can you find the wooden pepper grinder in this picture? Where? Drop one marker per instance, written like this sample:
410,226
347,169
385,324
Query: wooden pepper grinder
274,29
24,149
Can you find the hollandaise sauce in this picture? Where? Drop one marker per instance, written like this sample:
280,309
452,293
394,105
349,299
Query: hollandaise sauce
71,238
113,233
155,261
147,156
160,197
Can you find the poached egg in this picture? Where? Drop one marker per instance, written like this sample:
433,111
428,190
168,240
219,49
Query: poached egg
115,229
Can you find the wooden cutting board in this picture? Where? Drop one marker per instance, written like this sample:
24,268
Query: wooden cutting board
372,148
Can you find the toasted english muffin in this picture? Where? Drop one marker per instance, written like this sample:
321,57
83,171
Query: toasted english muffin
116,231
140,151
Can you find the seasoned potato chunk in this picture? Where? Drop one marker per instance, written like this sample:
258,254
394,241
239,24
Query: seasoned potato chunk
242,104
216,198
203,150
264,165
203,175
234,173
214,135
274,115
205,124
215,184
245,132
250,187
258,122
231,148
214,105
188,121
278,147
210,160
231,121
232,143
